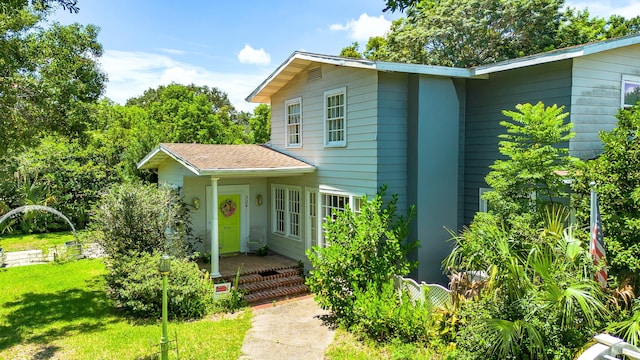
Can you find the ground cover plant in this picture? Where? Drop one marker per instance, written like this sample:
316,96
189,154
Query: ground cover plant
61,311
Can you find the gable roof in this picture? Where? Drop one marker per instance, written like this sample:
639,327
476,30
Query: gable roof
299,61
227,160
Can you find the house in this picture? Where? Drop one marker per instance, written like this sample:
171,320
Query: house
342,127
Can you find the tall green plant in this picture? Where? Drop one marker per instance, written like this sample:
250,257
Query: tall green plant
141,218
363,250
616,173
536,148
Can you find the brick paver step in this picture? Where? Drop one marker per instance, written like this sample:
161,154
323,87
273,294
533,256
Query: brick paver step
272,294
269,275
272,283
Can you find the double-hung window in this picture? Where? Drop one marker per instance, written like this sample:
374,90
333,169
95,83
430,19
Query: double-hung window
335,117
287,206
293,118
630,91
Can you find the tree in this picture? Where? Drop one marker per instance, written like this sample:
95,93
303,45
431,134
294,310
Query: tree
351,51
465,33
260,124
616,173
535,145
48,74
190,113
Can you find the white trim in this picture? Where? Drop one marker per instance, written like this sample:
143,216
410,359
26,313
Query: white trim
329,93
245,216
288,103
309,222
287,233
627,79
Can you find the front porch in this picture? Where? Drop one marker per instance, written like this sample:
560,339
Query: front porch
264,278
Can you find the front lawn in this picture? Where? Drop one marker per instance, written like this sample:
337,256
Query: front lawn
35,241
60,311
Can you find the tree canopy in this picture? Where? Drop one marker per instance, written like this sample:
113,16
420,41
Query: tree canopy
465,33
47,74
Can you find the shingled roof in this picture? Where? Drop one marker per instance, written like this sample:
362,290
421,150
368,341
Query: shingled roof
227,160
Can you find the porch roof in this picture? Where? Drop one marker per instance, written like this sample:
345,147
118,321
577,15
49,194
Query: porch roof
227,160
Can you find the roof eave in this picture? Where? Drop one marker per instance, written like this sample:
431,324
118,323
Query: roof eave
259,172
257,97
146,163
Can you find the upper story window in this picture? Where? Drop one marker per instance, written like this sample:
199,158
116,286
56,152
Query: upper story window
335,117
287,205
630,91
293,115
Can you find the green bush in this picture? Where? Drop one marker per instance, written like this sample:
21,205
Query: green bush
135,284
141,218
381,315
364,250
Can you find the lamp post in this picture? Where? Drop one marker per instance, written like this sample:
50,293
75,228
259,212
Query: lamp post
164,267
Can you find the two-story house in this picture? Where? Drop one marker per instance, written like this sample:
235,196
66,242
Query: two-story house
342,127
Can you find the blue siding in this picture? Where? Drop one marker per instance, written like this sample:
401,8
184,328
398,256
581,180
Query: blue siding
549,83
433,164
392,135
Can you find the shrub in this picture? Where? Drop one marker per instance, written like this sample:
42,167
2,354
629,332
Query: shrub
141,218
364,250
382,316
135,284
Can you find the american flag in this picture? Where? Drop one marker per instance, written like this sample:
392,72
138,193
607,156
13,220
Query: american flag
596,246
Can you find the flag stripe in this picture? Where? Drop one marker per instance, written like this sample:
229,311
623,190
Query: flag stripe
596,245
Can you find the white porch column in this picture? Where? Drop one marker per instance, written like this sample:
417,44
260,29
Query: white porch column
215,270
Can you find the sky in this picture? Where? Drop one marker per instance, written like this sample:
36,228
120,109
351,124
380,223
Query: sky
235,45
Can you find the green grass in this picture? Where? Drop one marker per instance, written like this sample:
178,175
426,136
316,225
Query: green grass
345,346
35,241
61,311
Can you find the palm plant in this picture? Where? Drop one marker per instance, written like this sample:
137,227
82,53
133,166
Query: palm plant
540,300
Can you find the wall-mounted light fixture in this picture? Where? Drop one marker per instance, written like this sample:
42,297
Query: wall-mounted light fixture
196,203
259,200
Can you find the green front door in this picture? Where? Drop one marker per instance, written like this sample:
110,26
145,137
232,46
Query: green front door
229,223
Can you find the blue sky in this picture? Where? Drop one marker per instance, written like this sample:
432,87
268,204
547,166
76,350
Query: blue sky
234,45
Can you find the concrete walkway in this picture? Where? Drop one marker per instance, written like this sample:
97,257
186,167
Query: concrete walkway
292,330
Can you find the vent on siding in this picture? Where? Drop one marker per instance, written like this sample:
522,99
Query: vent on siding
314,74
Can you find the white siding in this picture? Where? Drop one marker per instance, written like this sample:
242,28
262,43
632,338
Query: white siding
172,172
596,87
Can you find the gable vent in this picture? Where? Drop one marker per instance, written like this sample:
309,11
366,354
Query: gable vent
314,74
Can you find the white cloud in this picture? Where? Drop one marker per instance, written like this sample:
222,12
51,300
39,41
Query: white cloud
249,55
172,51
606,8
131,73
365,27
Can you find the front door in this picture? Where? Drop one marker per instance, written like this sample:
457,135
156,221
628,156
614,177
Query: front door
229,208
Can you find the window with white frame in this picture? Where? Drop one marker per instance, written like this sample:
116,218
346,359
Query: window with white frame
293,109
312,218
286,210
331,203
630,91
483,205
335,118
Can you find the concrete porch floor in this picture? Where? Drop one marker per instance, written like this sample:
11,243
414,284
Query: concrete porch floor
252,264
